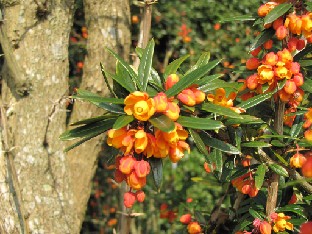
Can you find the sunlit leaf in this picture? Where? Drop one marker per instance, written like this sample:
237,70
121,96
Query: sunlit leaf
263,37
255,144
276,12
221,110
218,144
198,141
174,65
145,66
238,18
122,121
199,123
259,177
254,100
163,123
279,170
297,209
203,60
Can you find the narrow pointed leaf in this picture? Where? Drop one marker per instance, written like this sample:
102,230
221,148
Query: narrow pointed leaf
203,60
255,214
307,85
123,78
174,65
145,66
155,78
278,169
254,100
276,12
82,141
238,18
255,144
157,171
123,121
198,142
92,120
208,79
110,88
214,84
88,129
221,110
163,123
297,126
259,177
247,119
199,123
191,78
297,209
263,37
127,67
218,160
217,144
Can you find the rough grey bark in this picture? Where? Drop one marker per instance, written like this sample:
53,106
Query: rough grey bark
108,27
35,35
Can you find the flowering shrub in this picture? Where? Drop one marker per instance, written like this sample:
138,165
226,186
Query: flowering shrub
255,135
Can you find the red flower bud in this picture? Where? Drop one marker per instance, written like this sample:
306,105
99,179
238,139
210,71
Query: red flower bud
140,196
129,199
142,168
127,164
171,80
186,219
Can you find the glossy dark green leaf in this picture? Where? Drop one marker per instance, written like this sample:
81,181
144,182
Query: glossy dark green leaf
259,177
305,62
110,88
296,128
238,18
98,99
127,67
242,225
82,141
155,79
191,78
276,12
255,100
263,37
255,214
163,123
297,222
279,170
199,123
300,55
207,79
278,143
255,144
297,209
199,217
88,129
247,119
122,121
203,60
123,78
221,110
145,66
112,108
174,65
92,120
218,160
307,85
217,144
157,171
198,141
214,84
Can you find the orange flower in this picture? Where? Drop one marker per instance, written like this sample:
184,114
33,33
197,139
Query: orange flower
282,73
127,163
140,141
173,111
140,196
294,23
161,102
194,228
112,222
177,152
139,105
306,168
265,228
266,74
308,115
115,137
297,160
187,97
142,168
280,222
252,63
270,59
199,95
135,182
308,135
264,9
220,99
284,57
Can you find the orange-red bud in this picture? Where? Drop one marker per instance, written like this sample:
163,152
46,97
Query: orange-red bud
186,218
252,81
292,44
268,44
306,168
252,63
265,228
187,97
306,228
119,176
281,32
278,22
129,199
298,79
290,87
255,52
142,168
136,182
173,111
194,228
171,80
127,164
161,102
300,44
140,196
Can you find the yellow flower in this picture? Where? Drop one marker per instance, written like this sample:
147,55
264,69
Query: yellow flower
139,105
282,72
115,137
220,99
280,223
266,74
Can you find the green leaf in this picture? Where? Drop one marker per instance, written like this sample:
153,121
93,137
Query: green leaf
297,222
297,209
145,66
242,225
198,141
123,78
303,53
278,170
255,100
221,110
163,123
191,78
218,160
106,81
88,129
82,141
98,99
127,67
259,177
199,123
214,84
155,79
92,120
305,62
123,121
208,79
203,60
247,119
174,65
263,37
256,144
255,214
217,144
276,12
238,18
307,85
111,108
297,126
157,171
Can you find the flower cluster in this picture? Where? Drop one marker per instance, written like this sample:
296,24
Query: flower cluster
193,227
166,213
246,184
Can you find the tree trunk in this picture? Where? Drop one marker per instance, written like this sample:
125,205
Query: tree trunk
108,26
34,37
